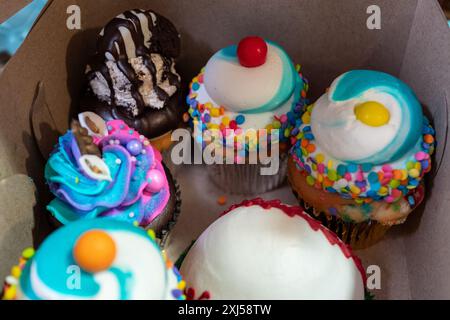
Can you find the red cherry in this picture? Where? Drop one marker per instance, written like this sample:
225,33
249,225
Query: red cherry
252,52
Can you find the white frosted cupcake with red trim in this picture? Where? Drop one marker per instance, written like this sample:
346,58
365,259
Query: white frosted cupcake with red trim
267,250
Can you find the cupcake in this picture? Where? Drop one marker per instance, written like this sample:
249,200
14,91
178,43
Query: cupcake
132,76
99,259
284,255
245,102
107,169
360,156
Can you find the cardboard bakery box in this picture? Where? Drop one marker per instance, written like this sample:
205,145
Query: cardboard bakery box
407,38
8,8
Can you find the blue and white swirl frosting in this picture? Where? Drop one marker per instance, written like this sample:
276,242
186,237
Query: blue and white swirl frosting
367,117
251,90
138,271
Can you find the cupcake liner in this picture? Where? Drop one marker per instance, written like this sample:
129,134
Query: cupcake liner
246,179
358,235
164,223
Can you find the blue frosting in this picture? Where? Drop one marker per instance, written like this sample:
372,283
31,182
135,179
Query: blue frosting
355,83
54,258
289,83
80,197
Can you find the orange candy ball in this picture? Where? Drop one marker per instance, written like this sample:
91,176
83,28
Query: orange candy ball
94,251
222,200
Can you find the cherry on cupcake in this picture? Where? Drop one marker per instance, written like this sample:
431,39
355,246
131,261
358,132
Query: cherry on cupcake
252,52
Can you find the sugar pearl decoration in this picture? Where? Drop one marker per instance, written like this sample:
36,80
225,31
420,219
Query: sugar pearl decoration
134,147
155,181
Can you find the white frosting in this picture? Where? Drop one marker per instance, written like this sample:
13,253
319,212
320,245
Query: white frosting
136,255
142,259
250,254
252,121
340,134
145,25
239,88
100,87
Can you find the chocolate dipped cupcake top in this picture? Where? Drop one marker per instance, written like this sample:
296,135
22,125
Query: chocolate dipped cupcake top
132,75
107,169
253,85
366,139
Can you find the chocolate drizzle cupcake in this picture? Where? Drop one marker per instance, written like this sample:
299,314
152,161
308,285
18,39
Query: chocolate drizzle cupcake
132,75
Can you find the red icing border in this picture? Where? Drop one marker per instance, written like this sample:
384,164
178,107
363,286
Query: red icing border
293,211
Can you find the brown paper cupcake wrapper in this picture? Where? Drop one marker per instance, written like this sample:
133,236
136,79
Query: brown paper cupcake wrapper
246,179
358,235
164,223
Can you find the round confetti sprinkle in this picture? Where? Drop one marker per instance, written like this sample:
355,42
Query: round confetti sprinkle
207,117
352,168
332,175
276,124
28,253
306,118
341,170
394,184
222,200
240,119
195,86
421,156
333,211
355,189
215,112
366,167
375,186
373,177
428,139
320,158
311,148
16,272
310,180
414,173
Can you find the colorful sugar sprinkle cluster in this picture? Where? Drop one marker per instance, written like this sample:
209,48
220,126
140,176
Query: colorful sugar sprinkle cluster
177,293
366,182
208,116
12,281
